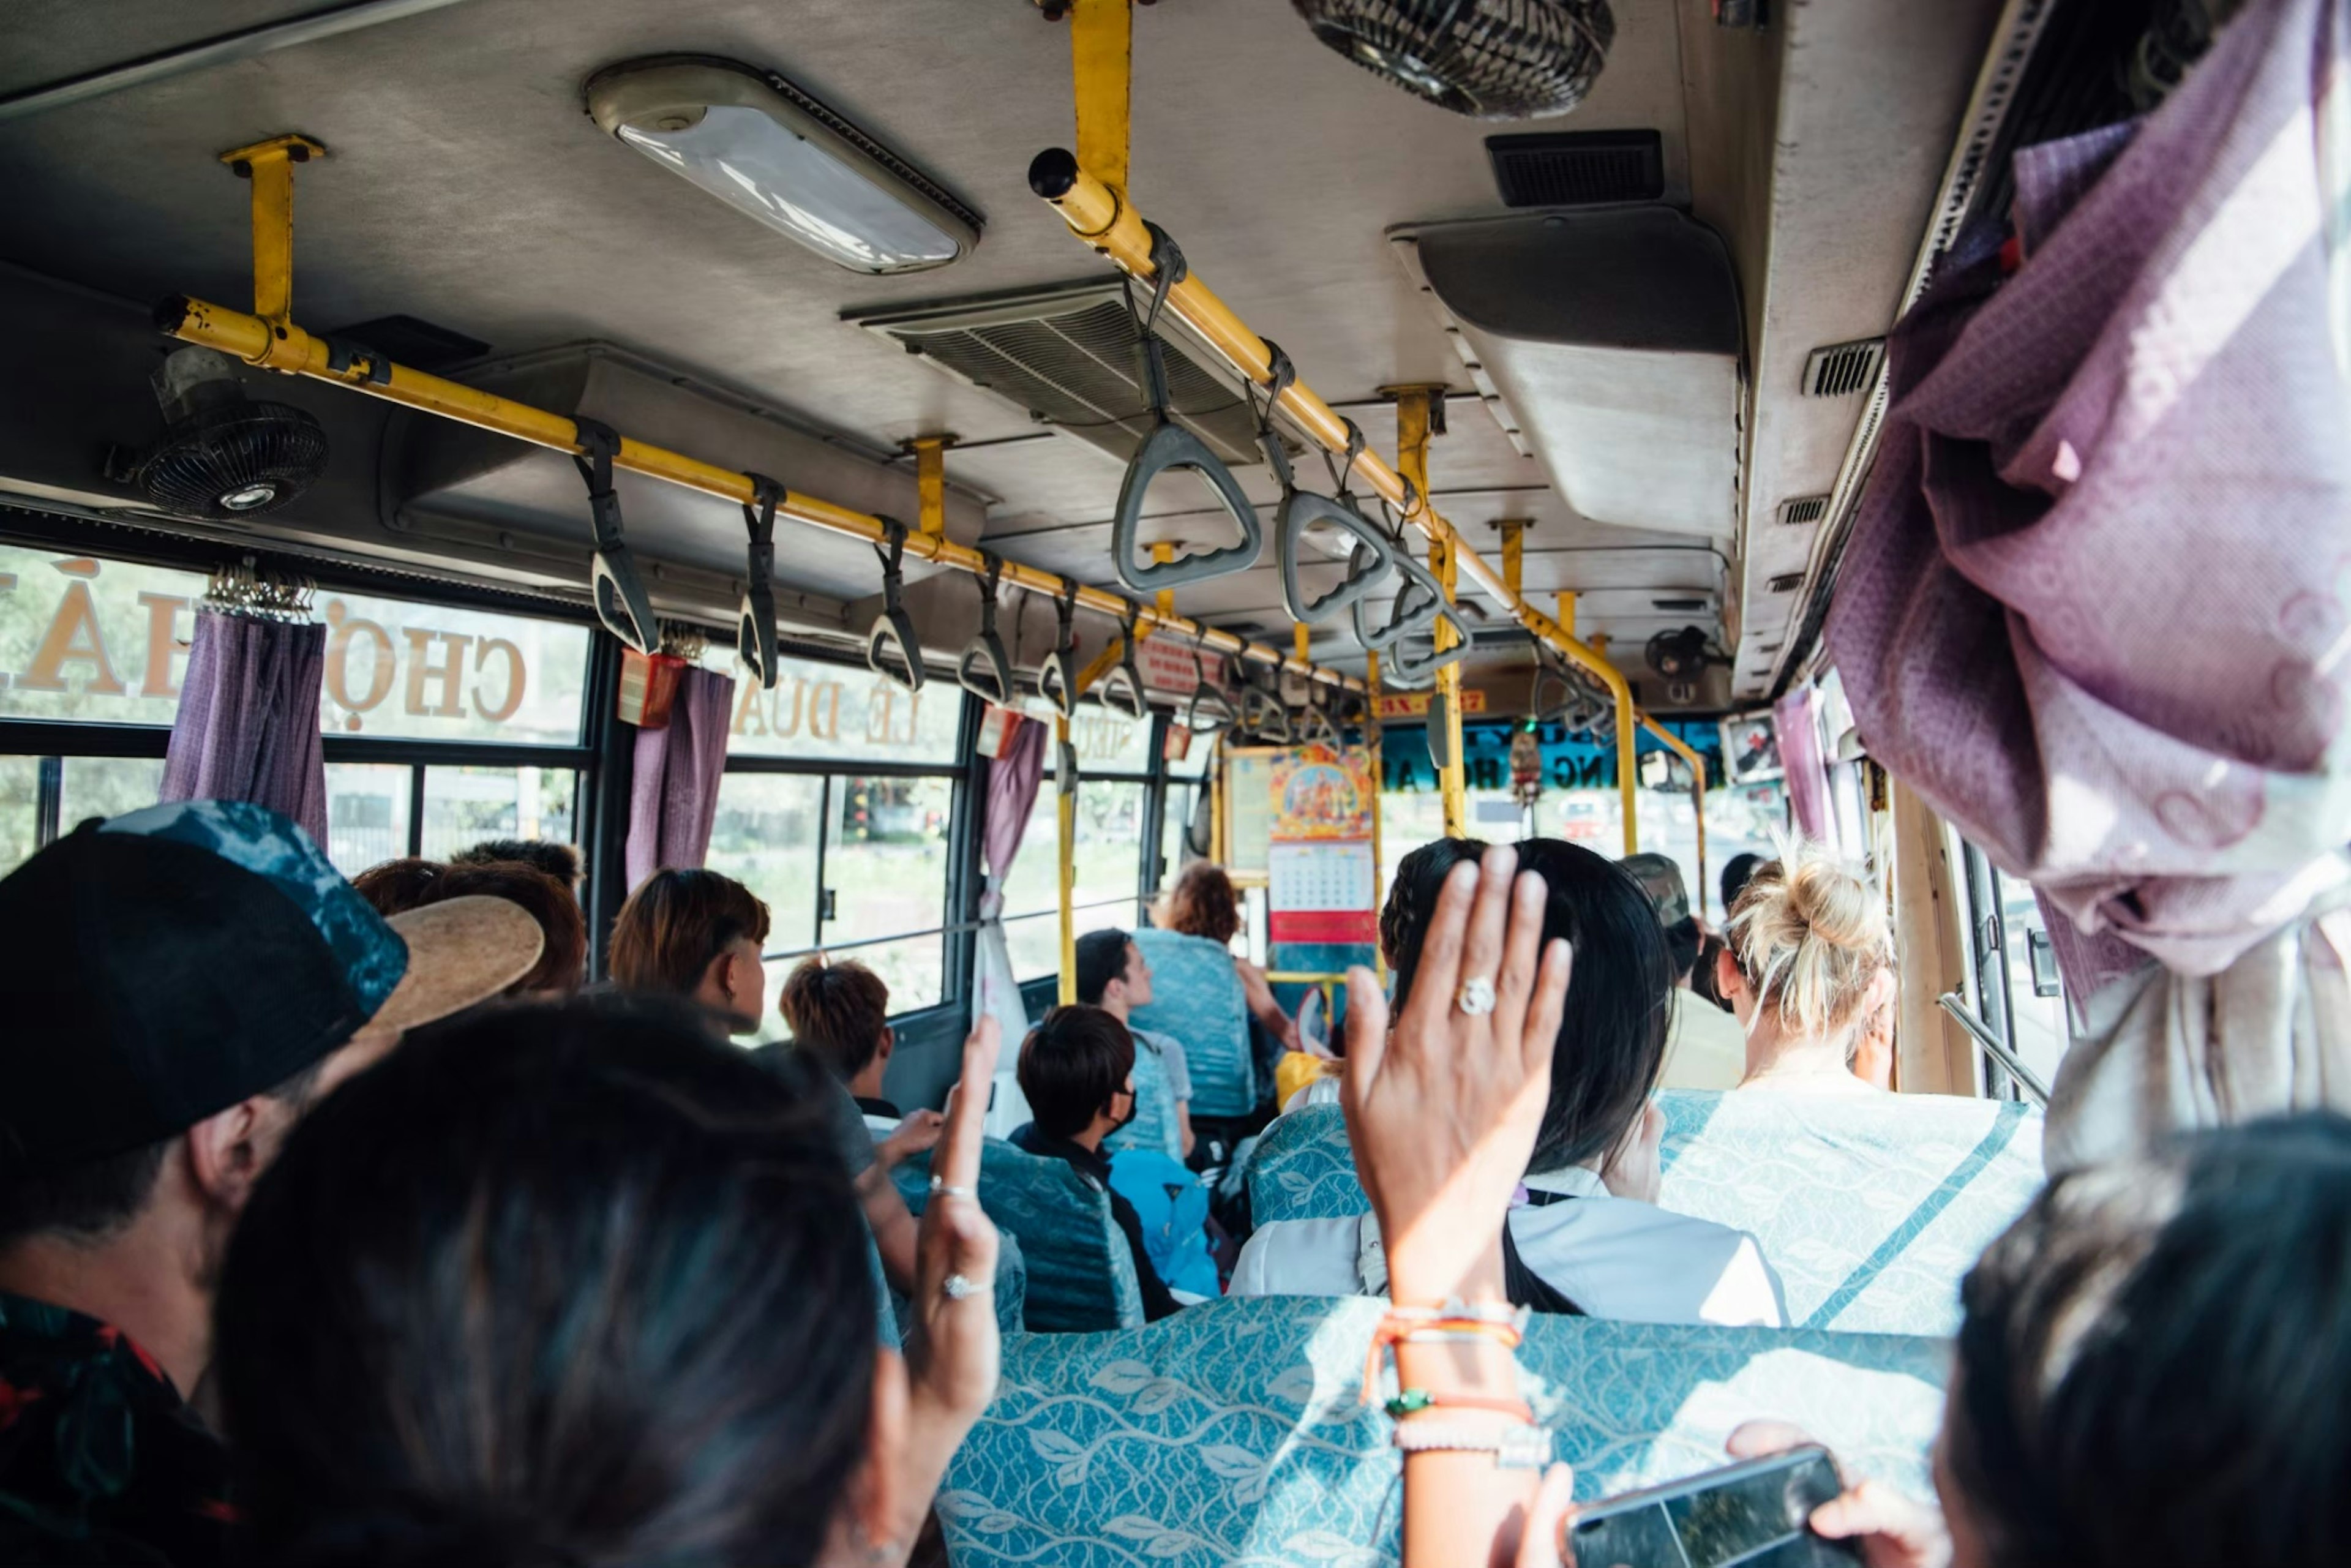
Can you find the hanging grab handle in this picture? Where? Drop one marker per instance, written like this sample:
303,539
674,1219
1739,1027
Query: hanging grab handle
1057,677
892,650
1170,445
1410,670
1263,716
1372,558
622,603
985,669
1122,684
1207,709
754,620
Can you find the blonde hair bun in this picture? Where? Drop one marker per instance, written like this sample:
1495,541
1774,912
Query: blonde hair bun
1811,936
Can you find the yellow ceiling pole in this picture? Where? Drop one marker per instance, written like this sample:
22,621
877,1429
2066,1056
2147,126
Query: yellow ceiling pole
931,481
270,166
1109,222
281,345
1412,432
1102,65
1698,793
1567,612
1514,544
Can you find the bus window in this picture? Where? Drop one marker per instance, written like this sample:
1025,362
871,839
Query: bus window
886,876
20,808
105,787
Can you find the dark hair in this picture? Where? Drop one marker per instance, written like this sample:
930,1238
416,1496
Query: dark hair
2151,1366
675,923
560,861
1202,903
90,1202
1101,958
1071,1064
1735,872
559,1284
1612,1033
836,1011
397,886
1682,943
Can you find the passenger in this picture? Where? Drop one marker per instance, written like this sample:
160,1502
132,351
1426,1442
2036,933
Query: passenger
184,983
457,1329
1737,872
1202,903
1711,945
840,1015
1707,1048
1077,1072
1590,1238
558,861
1113,975
1811,962
398,886
697,934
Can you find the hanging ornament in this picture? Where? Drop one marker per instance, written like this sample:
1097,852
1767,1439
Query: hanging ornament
1526,766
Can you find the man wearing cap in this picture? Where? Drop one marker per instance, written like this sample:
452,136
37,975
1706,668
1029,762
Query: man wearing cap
1705,1049
182,984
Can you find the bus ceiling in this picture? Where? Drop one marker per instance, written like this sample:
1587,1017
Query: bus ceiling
1631,381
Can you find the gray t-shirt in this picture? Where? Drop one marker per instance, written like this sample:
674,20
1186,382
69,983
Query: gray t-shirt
842,1118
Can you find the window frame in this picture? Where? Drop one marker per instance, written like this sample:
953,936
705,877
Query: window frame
968,786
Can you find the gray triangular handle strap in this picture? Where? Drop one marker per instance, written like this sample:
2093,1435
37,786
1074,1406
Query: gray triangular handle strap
1419,597
1207,709
622,603
1057,677
1411,670
985,669
1263,716
754,619
1121,687
892,650
1373,559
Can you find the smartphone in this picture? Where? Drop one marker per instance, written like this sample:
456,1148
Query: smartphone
1747,1515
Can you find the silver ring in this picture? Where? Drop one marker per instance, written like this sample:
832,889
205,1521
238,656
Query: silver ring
1477,998
961,1287
941,1185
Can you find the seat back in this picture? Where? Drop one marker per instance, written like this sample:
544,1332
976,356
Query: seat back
1011,1293
1196,996
1871,1209
1080,1275
1154,1126
1233,1432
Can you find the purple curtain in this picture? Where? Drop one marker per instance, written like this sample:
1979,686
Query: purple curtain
2097,593
673,789
1796,723
1012,783
247,728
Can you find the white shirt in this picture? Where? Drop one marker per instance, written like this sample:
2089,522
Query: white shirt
1707,1048
1614,1257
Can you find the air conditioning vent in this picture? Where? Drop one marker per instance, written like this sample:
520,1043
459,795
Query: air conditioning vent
1069,357
1680,606
1786,583
1578,168
1804,511
1842,369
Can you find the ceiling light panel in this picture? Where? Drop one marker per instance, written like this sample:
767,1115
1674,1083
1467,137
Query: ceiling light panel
780,156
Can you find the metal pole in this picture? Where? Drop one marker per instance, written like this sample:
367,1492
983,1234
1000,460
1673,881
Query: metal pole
1412,457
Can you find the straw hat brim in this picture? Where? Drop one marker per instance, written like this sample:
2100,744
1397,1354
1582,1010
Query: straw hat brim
461,951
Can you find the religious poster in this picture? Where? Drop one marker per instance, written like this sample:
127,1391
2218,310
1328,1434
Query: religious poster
1323,883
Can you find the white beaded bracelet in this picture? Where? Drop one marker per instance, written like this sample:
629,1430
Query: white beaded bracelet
1513,1447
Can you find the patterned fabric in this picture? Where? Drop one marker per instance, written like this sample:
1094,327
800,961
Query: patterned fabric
1196,996
1080,1274
674,790
261,841
2132,448
1870,1210
1233,1434
1154,1126
1011,1293
247,724
100,1462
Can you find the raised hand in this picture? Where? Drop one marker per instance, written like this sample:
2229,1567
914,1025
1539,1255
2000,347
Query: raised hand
1444,1112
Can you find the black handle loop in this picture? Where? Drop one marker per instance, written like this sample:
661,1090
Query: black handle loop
892,649
622,603
984,668
1342,473
1057,677
1122,690
756,636
1219,714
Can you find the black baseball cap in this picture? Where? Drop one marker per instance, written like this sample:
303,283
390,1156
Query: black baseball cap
160,966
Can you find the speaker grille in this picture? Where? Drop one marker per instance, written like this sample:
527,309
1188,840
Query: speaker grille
1578,168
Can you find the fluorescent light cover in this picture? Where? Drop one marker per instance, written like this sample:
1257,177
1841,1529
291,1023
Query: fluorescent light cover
785,182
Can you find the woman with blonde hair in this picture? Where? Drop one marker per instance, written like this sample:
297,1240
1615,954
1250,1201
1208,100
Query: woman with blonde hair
1808,970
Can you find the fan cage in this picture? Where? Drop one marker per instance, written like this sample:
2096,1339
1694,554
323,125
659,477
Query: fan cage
270,451
1488,59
